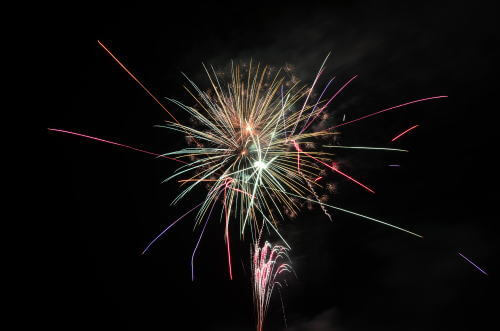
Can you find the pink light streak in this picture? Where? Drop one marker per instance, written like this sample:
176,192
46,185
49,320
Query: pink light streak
137,80
229,181
350,178
404,132
326,105
227,185
336,170
387,109
309,94
228,246
116,144
241,191
298,154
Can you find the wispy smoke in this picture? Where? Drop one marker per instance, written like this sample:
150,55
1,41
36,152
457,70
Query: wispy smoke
325,321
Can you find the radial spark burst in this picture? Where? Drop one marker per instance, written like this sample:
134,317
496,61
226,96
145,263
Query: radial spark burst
247,145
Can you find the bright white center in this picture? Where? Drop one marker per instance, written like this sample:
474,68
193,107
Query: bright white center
260,165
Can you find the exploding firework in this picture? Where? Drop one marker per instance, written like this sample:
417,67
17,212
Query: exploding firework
247,146
253,148
268,263
251,144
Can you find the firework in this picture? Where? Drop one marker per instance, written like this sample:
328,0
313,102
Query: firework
252,147
247,135
268,263
248,145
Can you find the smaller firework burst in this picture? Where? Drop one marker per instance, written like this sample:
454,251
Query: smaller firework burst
268,263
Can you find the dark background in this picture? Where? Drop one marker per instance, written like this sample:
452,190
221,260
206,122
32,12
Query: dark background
104,204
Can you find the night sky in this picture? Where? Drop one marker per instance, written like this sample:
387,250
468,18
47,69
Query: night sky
104,203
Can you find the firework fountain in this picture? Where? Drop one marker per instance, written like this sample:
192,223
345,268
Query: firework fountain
268,263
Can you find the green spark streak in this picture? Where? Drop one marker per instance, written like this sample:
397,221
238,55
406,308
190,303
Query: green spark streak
274,228
354,213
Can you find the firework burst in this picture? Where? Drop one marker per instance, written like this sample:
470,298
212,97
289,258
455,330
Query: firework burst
252,146
247,146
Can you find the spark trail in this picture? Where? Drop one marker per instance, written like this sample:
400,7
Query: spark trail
404,132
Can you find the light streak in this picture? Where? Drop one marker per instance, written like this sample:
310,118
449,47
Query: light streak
198,242
328,103
227,237
367,148
472,263
387,109
167,228
116,144
340,172
404,132
355,214
137,80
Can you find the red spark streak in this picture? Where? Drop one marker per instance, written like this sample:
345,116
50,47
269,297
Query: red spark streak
336,170
226,185
318,178
117,144
227,238
228,182
387,109
137,80
241,191
404,132
349,177
298,154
